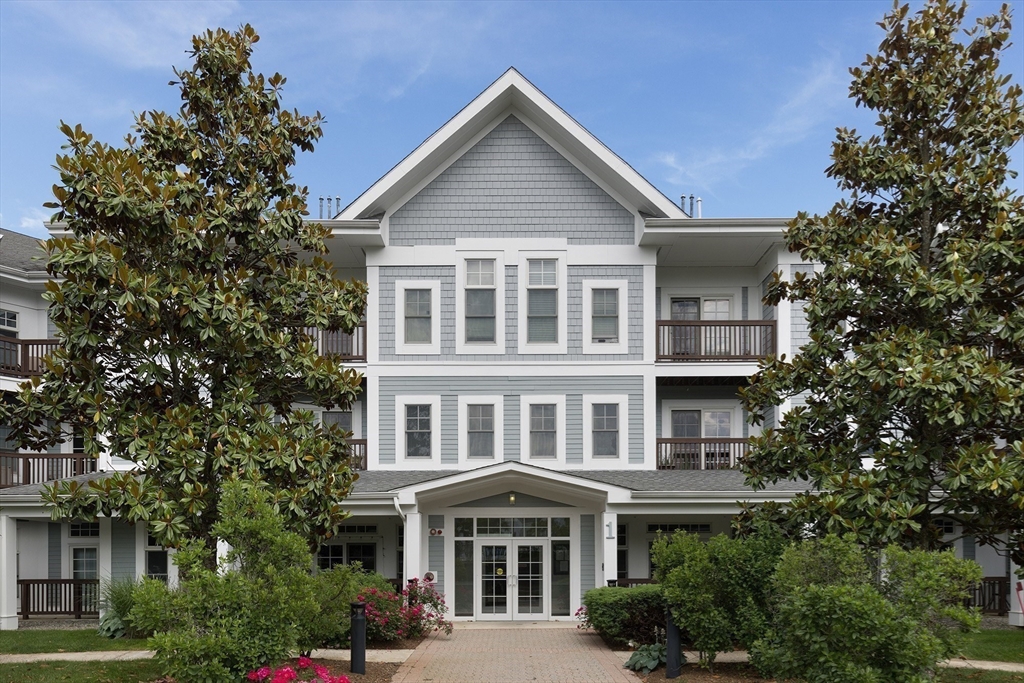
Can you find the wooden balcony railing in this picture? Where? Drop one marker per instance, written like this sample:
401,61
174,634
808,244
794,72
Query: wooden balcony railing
715,340
358,447
73,597
992,595
24,357
700,454
20,469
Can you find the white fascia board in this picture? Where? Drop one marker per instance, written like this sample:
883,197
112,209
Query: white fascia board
555,368
408,494
448,254
661,232
25,277
511,89
716,496
359,233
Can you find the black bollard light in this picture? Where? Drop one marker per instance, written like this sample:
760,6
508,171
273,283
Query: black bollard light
674,647
358,633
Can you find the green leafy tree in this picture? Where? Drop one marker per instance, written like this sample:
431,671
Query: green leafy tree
916,351
187,301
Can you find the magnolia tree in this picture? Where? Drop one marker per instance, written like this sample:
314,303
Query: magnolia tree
188,298
916,315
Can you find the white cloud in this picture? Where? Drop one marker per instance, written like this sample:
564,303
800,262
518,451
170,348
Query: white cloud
33,219
132,34
792,121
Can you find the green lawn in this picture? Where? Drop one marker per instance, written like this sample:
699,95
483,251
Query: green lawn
80,672
996,646
27,642
975,676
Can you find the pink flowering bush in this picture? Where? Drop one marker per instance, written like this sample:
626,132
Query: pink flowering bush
287,674
424,610
417,611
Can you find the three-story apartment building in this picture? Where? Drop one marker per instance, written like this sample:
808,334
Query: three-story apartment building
552,352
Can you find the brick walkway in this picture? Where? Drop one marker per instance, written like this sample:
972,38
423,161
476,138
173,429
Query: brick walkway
493,653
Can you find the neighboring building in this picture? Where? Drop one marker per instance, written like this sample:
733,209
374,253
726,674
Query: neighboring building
552,353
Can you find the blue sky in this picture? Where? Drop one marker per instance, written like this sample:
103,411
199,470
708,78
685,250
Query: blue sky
736,102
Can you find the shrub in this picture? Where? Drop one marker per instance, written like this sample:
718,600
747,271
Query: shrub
385,620
425,610
219,626
647,658
717,590
117,598
624,615
835,620
334,590
844,634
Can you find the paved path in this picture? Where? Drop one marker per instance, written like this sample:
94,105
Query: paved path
507,653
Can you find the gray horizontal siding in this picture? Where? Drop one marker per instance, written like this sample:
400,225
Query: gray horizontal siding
512,388
511,184
122,550
587,559
392,313
54,546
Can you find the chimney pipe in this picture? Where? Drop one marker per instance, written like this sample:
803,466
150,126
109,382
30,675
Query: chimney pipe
682,205
321,206
698,207
691,205
337,204
329,206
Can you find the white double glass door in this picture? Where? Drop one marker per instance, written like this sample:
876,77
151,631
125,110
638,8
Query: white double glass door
512,581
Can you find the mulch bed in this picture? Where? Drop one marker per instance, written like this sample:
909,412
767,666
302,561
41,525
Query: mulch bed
376,672
724,673
404,644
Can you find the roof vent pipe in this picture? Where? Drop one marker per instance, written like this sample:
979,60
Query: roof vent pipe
321,206
682,205
328,206
698,208
337,203
691,205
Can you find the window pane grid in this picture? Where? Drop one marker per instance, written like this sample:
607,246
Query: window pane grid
480,273
543,273
417,431
542,431
417,316
606,429
605,315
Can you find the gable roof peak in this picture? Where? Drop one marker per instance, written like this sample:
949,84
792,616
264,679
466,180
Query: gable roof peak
512,93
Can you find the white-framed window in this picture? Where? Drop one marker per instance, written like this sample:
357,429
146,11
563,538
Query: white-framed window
604,316
480,302
157,560
542,302
8,323
481,429
350,420
542,428
605,421
418,427
418,320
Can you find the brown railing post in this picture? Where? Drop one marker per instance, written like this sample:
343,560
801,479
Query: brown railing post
76,593
26,599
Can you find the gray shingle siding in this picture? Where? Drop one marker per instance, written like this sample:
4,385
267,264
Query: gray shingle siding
512,388
587,559
122,550
435,559
392,314
511,184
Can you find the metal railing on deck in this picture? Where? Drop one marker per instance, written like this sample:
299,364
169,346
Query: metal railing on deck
342,345
715,340
24,357
700,454
73,597
20,469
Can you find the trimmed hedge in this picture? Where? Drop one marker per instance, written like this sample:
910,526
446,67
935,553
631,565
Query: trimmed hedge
622,615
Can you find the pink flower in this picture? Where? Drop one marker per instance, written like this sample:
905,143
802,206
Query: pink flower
340,679
305,662
259,674
285,674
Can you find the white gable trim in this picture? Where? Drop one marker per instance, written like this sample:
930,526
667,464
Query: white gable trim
512,90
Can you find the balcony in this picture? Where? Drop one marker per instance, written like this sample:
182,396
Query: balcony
22,469
691,341
357,448
700,454
341,345
24,357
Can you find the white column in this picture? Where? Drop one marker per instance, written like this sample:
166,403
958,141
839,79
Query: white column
610,531
105,552
1016,597
8,573
413,545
